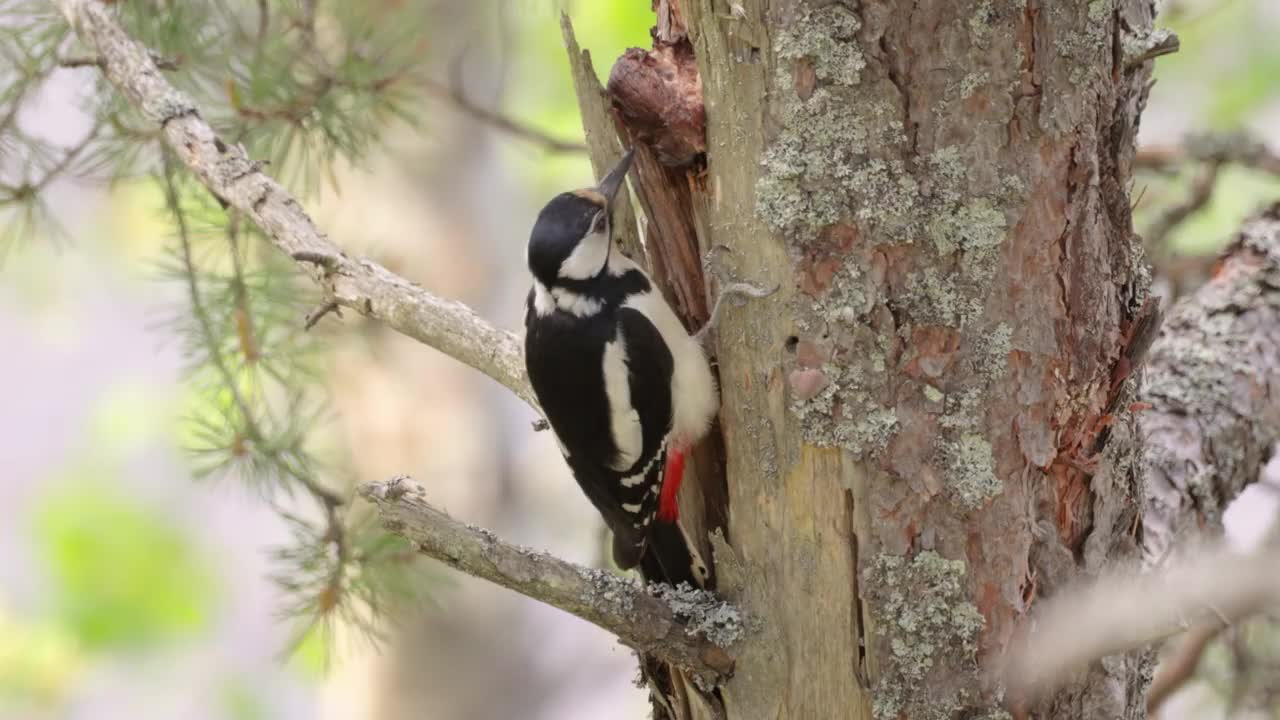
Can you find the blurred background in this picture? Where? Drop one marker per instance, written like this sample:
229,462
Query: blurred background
141,580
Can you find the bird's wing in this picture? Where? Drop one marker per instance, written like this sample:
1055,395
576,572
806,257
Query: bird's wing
649,368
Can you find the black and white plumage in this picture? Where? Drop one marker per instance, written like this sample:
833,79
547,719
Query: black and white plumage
624,387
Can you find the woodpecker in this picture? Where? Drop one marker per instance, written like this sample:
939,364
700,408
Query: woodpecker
626,390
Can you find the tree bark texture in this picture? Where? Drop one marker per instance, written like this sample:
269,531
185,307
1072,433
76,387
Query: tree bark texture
927,427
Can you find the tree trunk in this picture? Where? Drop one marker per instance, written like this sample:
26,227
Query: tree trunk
914,423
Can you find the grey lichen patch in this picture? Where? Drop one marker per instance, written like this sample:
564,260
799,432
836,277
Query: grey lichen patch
924,616
939,299
993,350
609,591
980,20
822,133
977,229
1089,40
844,415
971,473
972,82
889,196
703,613
821,138
826,37
962,410
847,299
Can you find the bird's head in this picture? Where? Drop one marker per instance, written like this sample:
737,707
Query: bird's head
573,236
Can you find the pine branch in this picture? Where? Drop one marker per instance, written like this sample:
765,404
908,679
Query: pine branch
690,628
230,175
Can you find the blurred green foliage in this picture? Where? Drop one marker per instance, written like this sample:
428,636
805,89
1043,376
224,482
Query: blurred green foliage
540,90
1229,62
124,575
38,661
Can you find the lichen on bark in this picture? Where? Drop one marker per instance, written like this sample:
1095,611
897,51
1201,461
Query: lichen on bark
923,615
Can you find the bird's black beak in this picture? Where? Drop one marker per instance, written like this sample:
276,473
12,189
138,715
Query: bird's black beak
608,187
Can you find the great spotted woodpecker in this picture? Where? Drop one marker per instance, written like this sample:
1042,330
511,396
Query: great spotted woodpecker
626,390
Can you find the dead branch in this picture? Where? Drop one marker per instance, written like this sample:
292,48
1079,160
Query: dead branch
690,628
1172,216
454,95
1234,148
230,175
1180,667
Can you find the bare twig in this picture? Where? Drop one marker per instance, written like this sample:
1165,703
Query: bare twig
1171,217
1235,148
360,284
97,62
314,316
455,96
1142,48
690,628
1176,670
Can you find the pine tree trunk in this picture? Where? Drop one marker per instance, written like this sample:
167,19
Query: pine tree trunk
913,423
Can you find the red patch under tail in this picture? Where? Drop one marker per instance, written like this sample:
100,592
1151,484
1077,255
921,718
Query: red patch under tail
672,475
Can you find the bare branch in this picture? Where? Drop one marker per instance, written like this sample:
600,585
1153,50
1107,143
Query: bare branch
1121,613
1141,48
690,628
1176,670
1172,216
357,283
1235,148
1213,415
455,96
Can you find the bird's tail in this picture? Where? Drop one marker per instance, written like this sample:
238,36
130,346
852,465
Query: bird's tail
670,557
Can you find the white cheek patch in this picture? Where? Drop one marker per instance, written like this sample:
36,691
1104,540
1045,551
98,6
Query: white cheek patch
543,303
588,258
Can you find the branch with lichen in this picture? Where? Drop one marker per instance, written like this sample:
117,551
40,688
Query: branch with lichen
1213,418
690,628
224,168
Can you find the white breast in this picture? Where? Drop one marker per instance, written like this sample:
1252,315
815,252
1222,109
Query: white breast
694,399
